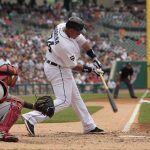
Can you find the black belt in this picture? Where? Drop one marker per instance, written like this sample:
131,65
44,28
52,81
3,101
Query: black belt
51,63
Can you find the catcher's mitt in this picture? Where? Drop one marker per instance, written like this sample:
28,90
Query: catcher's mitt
45,105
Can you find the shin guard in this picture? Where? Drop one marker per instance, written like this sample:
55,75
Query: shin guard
11,116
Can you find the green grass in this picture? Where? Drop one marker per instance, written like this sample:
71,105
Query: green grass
127,95
67,115
148,95
86,97
92,97
144,116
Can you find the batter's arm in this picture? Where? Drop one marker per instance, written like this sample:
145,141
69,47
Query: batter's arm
83,68
78,68
88,49
86,46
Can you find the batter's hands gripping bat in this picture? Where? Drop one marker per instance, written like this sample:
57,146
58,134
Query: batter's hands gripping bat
111,100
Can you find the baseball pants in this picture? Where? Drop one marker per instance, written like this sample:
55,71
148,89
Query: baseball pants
66,93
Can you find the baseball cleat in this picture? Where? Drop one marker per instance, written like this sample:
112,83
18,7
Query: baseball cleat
133,96
96,131
29,127
6,137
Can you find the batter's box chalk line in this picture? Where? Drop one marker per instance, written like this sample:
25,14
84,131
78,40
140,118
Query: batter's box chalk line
134,114
132,136
146,101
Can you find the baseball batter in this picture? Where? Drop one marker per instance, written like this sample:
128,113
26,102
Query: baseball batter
65,44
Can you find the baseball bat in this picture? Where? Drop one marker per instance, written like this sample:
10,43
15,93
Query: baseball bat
110,98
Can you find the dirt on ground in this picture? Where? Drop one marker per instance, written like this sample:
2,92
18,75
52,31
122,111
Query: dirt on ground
69,136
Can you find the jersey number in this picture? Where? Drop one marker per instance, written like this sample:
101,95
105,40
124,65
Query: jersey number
72,58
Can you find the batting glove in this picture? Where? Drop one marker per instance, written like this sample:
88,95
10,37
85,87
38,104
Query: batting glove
97,63
98,71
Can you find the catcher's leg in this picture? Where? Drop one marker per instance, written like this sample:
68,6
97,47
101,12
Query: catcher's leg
9,113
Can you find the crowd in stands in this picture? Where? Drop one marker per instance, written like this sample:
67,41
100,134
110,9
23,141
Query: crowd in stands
24,31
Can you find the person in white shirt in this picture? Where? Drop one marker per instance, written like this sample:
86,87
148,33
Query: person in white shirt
4,59
65,44
111,85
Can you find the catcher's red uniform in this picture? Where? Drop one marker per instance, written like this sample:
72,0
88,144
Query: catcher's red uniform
10,108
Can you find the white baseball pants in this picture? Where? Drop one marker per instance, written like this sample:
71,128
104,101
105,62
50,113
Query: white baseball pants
66,93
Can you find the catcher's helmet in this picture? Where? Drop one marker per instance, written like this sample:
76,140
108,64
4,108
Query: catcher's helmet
75,23
8,74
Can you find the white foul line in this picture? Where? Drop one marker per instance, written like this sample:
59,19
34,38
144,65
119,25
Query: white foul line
136,110
146,101
132,136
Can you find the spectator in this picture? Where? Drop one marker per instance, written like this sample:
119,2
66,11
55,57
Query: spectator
4,60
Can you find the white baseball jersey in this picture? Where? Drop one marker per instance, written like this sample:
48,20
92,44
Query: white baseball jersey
65,52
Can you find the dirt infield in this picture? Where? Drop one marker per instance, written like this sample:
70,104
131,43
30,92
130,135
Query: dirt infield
69,136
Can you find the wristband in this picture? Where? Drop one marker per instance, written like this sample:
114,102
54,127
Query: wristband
87,68
97,63
91,53
28,105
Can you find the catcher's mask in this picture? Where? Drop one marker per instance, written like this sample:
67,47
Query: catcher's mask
3,91
8,74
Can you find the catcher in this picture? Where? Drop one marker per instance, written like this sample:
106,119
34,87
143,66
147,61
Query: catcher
10,106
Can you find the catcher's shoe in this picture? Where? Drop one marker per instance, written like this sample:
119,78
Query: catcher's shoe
29,127
96,131
6,137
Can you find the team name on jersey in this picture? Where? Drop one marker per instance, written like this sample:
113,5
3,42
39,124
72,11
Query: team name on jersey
56,37
53,39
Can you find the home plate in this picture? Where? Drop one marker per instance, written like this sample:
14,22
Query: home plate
131,136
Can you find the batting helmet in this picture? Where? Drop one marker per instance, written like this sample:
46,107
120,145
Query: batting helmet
8,74
75,23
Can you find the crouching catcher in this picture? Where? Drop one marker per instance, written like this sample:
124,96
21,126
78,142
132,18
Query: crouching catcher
10,106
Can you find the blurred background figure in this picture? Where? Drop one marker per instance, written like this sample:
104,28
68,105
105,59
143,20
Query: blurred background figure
111,85
125,75
4,59
116,30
